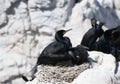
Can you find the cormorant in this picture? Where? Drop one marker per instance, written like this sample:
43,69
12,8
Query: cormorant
55,52
90,37
104,44
79,54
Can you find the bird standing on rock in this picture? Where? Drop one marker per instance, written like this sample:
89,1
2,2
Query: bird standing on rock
104,44
90,37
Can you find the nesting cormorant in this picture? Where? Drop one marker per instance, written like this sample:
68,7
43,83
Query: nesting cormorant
90,37
79,54
55,52
104,44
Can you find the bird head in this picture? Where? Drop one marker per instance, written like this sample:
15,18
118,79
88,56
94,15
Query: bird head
62,32
93,22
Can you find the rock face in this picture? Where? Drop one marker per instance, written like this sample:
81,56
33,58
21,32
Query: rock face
27,26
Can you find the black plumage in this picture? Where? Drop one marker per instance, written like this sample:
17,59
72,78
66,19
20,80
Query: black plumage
57,51
108,43
79,54
104,44
115,36
91,36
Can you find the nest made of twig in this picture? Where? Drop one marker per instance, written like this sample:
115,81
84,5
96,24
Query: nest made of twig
60,73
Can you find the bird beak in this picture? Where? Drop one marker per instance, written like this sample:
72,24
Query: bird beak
68,30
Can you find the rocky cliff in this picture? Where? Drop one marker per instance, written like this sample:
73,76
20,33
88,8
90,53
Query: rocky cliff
27,26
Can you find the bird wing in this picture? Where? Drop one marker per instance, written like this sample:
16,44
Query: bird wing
54,50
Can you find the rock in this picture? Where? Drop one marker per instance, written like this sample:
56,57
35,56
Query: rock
102,61
49,13
95,76
3,19
4,5
11,65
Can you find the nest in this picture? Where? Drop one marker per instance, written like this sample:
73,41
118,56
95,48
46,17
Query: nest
60,73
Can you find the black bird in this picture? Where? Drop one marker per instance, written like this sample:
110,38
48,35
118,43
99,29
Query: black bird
57,51
54,53
79,54
105,44
116,38
116,42
90,37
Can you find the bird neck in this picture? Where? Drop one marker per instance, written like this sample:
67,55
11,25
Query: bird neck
59,38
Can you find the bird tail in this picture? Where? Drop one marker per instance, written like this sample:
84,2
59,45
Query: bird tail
33,71
24,78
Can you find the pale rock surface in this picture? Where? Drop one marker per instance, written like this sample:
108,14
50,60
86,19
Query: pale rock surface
95,76
11,66
102,61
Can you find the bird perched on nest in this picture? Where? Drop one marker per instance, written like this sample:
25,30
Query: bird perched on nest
104,43
55,52
79,54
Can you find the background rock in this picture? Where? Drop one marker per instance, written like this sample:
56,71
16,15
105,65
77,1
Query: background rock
95,76
27,26
102,61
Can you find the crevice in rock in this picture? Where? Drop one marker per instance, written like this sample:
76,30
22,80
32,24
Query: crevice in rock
69,11
11,79
78,1
11,9
30,27
4,24
52,6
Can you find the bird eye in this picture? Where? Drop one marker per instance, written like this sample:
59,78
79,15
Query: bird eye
77,57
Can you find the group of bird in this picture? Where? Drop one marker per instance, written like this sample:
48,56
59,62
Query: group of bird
107,41
94,39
